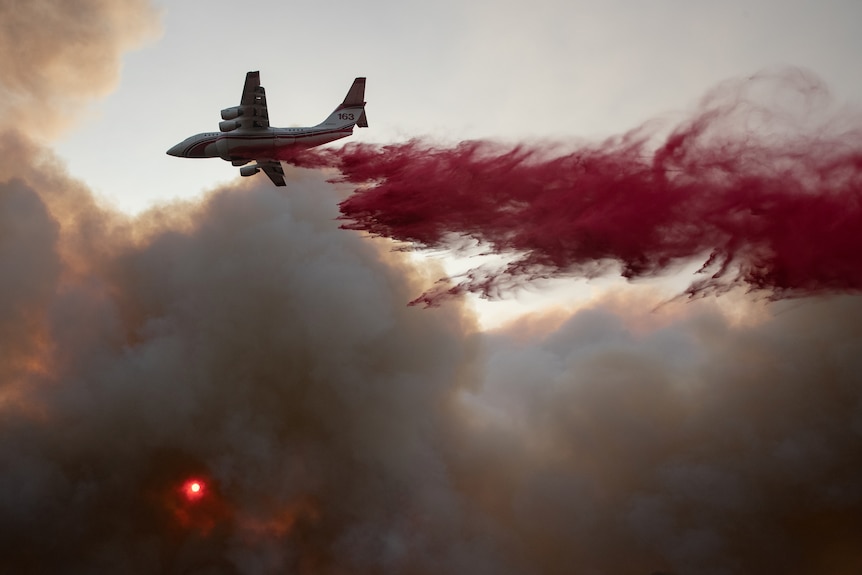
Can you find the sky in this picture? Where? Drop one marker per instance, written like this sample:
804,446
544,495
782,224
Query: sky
447,70
165,323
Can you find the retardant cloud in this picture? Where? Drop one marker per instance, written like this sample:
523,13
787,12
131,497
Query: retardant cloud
761,184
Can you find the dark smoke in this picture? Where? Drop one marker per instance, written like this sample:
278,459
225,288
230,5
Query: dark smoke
250,344
764,183
627,439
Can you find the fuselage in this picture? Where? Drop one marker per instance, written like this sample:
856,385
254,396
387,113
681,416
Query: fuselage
256,144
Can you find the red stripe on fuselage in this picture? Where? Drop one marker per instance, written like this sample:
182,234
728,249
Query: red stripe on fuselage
252,148
199,147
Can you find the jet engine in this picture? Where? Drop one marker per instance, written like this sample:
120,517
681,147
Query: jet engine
249,170
231,113
228,125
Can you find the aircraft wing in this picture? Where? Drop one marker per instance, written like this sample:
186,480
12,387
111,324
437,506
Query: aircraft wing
274,170
253,103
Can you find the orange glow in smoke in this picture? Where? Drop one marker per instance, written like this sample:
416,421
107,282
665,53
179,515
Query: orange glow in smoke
281,522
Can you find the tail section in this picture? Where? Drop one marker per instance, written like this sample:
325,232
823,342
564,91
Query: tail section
351,112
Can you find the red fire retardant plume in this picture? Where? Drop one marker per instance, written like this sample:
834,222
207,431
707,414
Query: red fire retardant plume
767,194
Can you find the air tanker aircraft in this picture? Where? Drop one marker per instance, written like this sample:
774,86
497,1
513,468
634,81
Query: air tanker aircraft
245,134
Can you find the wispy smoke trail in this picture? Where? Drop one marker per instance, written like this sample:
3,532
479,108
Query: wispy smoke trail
762,184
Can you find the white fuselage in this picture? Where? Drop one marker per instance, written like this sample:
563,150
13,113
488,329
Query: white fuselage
257,144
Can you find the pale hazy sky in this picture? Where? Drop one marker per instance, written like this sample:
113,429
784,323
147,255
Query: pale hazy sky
446,69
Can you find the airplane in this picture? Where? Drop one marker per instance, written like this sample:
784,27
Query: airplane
245,134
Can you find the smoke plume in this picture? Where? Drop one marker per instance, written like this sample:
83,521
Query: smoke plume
56,55
763,183
680,440
235,386
247,344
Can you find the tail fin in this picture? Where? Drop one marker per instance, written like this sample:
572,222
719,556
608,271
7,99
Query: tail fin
351,112
356,94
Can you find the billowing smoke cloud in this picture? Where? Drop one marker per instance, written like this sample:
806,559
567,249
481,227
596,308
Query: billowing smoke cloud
764,184
679,440
56,55
251,345
247,346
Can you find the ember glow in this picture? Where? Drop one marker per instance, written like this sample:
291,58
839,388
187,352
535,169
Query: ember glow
194,489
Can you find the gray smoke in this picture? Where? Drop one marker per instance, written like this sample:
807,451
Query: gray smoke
255,345
696,444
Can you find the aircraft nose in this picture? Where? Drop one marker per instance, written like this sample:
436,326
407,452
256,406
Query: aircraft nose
176,150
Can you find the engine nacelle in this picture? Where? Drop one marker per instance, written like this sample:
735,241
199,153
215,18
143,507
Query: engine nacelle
239,162
231,113
228,125
249,170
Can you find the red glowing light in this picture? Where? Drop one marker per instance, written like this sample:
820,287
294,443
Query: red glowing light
194,489
196,504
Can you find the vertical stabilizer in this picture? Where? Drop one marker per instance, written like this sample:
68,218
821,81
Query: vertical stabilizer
356,95
351,112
